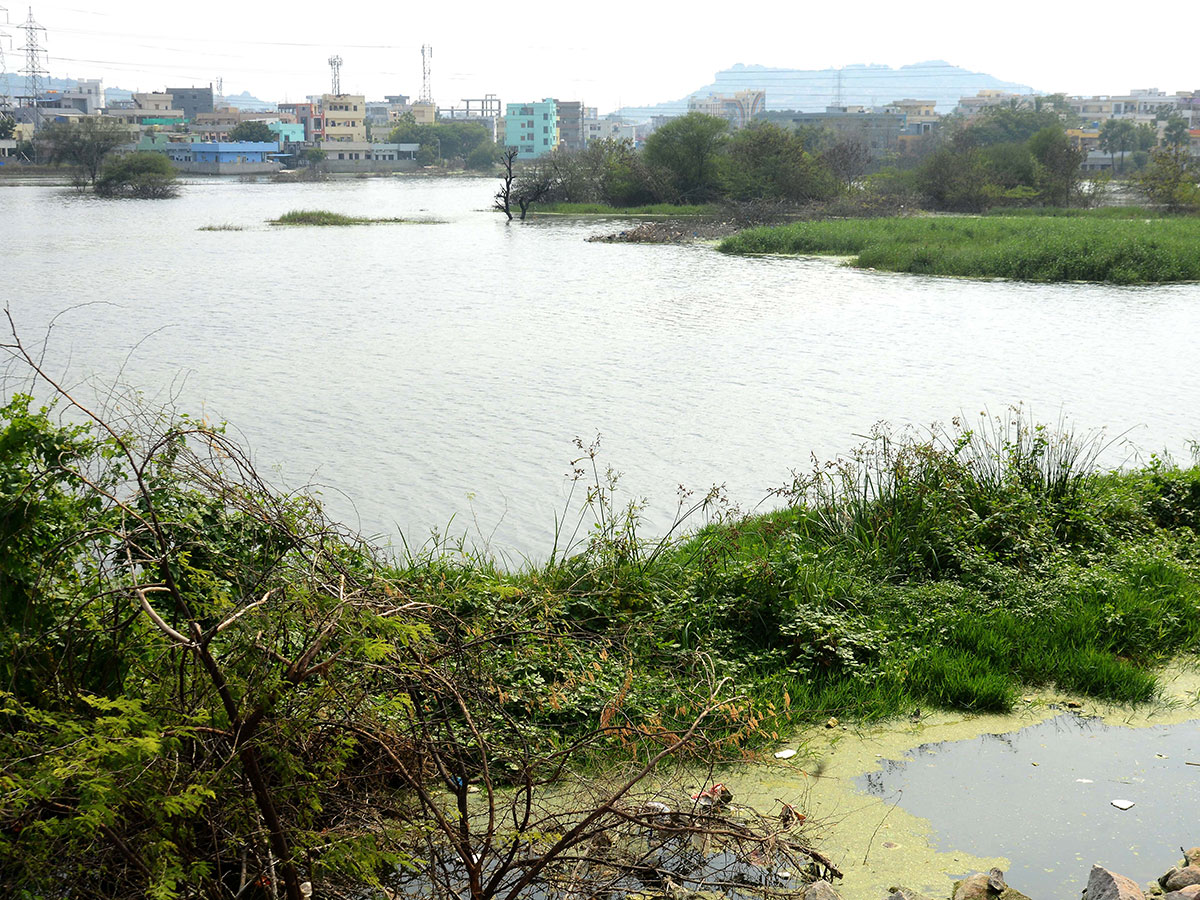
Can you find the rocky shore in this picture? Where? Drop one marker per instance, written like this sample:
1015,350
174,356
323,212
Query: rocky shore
1180,882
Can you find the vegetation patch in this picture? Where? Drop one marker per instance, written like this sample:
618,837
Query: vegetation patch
224,227
324,218
651,209
1108,249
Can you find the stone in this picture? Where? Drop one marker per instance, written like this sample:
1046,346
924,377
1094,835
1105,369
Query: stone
820,890
1191,892
978,887
785,754
996,880
1104,884
900,892
1181,878
1192,857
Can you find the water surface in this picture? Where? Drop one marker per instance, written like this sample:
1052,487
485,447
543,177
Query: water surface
434,376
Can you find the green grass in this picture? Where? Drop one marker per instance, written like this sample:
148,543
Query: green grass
1075,212
225,227
952,570
1045,248
602,209
324,218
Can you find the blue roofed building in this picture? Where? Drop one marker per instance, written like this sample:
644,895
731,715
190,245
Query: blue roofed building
228,158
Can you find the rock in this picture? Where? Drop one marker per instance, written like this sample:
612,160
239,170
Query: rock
820,890
1181,878
904,893
1104,884
978,887
1123,804
1191,892
1192,857
832,723
996,880
785,754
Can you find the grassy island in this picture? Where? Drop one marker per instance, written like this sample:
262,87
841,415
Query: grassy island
325,218
1043,248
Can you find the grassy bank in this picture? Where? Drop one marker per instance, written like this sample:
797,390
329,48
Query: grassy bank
949,571
175,630
1025,248
602,209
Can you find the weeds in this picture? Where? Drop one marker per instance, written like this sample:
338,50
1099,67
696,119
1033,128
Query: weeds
324,218
224,227
1049,248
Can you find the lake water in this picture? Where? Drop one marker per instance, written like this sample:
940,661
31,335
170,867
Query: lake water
437,373
1043,796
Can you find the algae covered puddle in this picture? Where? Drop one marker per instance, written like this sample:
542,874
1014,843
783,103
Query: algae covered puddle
1042,797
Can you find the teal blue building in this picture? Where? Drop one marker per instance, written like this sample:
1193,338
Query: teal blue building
532,128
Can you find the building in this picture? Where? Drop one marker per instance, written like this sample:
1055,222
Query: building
571,116
424,113
920,116
87,98
531,128
486,111
193,100
157,108
345,118
609,129
739,109
879,132
225,158
367,156
288,132
307,116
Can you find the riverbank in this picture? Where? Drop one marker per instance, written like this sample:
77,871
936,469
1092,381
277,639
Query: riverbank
1109,249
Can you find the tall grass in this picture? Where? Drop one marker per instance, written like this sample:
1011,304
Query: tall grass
954,568
1033,248
325,218
652,209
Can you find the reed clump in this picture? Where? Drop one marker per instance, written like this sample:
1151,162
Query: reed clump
325,218
1045,248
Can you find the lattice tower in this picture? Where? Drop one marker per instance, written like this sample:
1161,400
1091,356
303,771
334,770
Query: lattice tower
427,73
35,69
335,66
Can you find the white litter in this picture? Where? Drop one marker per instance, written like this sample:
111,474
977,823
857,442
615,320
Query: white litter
1123,804
785,754
1084,781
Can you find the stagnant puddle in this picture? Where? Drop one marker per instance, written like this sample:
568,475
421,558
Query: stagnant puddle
1043,797
923,801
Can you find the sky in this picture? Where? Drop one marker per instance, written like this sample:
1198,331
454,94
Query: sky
607,55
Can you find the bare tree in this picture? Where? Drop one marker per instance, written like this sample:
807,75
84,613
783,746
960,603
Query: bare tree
503,200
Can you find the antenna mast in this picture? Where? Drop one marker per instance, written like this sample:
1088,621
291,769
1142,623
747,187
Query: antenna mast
426,73
335,64
34,71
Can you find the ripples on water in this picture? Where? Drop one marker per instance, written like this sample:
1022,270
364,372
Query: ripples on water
429,373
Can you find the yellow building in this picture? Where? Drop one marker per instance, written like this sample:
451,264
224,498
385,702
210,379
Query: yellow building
424,113
345,117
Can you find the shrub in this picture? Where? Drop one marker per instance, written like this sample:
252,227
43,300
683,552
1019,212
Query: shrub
143,175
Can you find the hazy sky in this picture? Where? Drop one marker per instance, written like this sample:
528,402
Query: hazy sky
603,53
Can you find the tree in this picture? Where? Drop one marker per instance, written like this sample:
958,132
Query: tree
1118,136
211,691
484,156
85,142
954,179
1175,134
256,132
8,127
144,175
768,162
313,156
689,150
1172,179
1058,166
504,196
848,159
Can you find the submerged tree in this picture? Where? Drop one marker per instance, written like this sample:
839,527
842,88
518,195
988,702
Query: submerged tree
85,143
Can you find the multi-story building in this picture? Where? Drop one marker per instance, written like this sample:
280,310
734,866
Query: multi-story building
425,112
531,128
879,132
486,111
156,108
920,116
344,117
571,116
87,98
193,100
305,114
609,129
739,109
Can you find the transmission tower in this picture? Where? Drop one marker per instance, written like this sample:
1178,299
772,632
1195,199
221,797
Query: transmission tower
5,38
220,98
35,70
335,66
426,73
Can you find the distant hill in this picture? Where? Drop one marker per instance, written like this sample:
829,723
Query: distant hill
811,90
16,87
